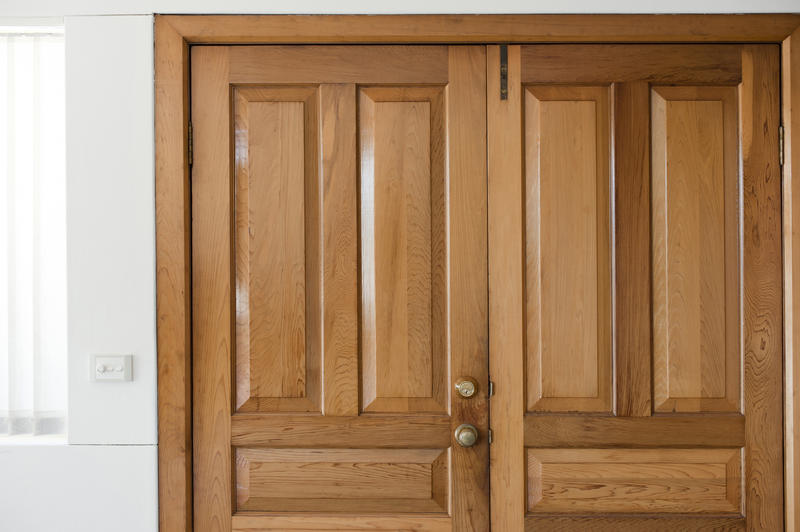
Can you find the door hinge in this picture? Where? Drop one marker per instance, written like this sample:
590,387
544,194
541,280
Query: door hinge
491,388
490,436
504,72
780,145
190,144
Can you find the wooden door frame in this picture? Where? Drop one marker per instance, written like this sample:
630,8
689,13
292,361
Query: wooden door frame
174,34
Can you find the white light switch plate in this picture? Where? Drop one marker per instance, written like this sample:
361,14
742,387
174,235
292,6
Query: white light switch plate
111,368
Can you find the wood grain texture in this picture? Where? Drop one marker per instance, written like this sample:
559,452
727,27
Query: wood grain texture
247,522
173,280
635,480
632,296
339,64
358,481
295,156
506,304
672,431
761,272
654,523
483,28
403,249
614,63
278,297
211,289
696,356
339,249
377,431
469,313
175,437
790,76
568,287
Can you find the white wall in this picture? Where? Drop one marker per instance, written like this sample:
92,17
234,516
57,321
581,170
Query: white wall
106,478
78,489
111,225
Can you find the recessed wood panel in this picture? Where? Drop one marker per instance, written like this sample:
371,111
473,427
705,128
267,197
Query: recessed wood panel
403,246
568,268
276,250
342,480
635,480
696,330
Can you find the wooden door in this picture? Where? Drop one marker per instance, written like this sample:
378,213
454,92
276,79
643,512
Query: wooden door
339,287
635,288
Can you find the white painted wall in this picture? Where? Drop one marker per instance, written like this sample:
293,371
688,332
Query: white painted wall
106,478
78,489
111,225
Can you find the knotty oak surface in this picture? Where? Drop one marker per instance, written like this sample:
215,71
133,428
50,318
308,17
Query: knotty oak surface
696,429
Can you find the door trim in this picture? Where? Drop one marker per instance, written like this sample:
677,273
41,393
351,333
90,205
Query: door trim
174,34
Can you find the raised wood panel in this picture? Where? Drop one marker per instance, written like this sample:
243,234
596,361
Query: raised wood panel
657,431
635,480
342,480
278,296
568,265
403,249
696,357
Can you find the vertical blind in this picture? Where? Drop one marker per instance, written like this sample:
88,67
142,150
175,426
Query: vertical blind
33,326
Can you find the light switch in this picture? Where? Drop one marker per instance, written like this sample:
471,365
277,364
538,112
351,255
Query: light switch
111,368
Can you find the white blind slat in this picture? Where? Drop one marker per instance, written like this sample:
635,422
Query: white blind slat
33,246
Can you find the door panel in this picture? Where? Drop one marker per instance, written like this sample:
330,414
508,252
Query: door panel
278,355
403,253
339,287
696,302
347,265
635,480
568,306
664,158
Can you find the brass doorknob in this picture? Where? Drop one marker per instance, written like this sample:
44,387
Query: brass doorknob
466,435
466,387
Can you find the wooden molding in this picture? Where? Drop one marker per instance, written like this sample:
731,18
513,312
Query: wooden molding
175,33
791,266
320,29
173,280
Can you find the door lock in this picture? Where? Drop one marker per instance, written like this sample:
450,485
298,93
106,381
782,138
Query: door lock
466,435
466,387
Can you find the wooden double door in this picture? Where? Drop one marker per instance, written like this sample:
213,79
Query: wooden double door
524,287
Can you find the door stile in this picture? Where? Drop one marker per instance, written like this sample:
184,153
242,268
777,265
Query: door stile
506,266
211,292
762,275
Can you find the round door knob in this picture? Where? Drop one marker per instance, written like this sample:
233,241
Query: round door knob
466,386
466,435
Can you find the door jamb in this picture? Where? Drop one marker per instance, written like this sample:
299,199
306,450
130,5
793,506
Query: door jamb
174,34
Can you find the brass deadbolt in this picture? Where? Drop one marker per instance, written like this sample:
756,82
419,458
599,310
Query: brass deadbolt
466,387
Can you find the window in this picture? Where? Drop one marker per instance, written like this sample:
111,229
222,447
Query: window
33,327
